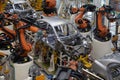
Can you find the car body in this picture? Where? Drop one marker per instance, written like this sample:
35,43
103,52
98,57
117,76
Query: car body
57,41
62,35
108,66
21,7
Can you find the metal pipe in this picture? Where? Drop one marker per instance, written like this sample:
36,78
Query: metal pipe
92,74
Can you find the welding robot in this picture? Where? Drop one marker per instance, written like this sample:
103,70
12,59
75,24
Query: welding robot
106,63
84,24
49,8
4,46
102,36
20,47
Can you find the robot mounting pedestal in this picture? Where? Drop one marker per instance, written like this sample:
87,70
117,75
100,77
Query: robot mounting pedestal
2,78
100,48
21,70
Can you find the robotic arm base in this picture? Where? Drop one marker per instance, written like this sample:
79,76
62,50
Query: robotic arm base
102,39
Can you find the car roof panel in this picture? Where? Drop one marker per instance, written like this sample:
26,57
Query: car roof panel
54,21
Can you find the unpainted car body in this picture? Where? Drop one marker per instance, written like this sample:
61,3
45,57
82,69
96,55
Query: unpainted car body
108,66
61,39
62,36
21,7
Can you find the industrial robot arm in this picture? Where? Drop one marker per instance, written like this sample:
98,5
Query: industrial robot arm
21,50
49,7
9,32
21,27
84,23
104,11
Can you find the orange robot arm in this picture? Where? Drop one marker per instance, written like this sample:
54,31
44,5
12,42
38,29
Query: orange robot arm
49,8
51,3
79,16
102,28
104,11
27,47
84,23
9,32
73,65
33,29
